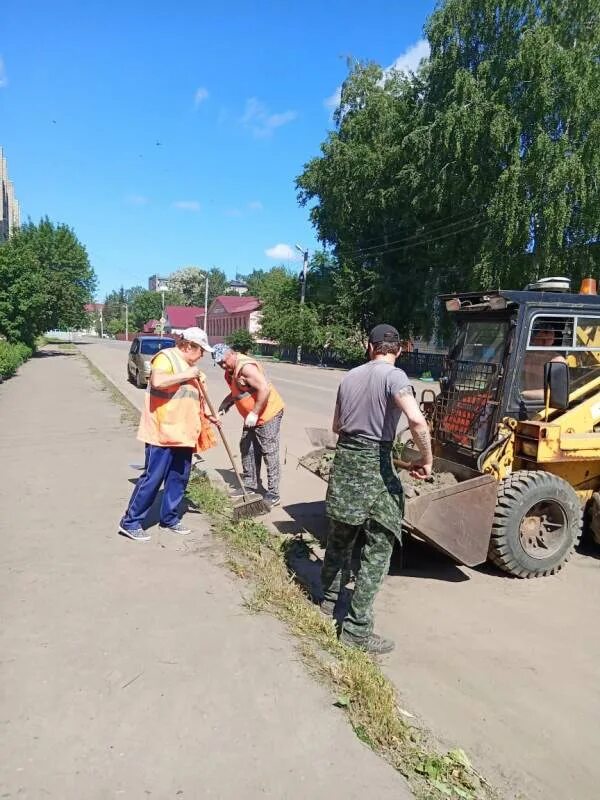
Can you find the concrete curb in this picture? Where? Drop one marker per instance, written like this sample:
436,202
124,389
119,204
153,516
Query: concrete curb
214,478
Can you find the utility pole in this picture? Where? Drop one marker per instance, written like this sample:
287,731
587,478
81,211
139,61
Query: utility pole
206,304
126,322
101,325
302,291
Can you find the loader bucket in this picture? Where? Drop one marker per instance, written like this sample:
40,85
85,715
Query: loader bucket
456,519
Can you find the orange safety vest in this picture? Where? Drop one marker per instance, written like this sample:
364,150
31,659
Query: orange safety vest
244,396
174,416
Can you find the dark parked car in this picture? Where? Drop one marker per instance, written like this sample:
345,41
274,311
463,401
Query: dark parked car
140,354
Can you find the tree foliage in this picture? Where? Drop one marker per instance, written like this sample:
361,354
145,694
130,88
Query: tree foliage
190,282
241,340
479,170
148,305
45,281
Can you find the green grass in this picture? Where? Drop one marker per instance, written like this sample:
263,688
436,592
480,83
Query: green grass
358,686
129,413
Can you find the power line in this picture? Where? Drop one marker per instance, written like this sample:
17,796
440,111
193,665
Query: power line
387,250
381,238
385,245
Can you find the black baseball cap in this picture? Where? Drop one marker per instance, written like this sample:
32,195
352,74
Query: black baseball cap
384,333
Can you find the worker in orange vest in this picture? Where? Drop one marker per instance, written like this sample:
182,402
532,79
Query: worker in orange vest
174,424
261,407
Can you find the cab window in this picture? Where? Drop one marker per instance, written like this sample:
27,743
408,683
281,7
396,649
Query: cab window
568,338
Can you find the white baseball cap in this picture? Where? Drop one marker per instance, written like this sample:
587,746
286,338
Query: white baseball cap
197,336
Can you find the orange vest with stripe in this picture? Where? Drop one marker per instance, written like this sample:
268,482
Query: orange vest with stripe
172,415
244,395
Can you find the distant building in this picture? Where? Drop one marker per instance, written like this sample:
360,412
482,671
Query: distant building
9,205
158,284
239,287
228,314
178,318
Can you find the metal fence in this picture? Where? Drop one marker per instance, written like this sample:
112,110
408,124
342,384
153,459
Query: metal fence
416,364
326,358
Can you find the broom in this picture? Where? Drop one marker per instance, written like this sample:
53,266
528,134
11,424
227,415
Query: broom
249,504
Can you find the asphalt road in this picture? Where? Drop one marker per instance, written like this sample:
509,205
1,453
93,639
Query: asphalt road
505,668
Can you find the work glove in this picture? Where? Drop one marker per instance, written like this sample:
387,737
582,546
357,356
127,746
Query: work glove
225,405
251,420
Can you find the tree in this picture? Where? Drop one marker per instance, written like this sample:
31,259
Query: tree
241,340
479,170
190,282
148,305
45,281
116,326
114,305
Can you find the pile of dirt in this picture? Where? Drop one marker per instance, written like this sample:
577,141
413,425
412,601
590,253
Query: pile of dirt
414,487
320,462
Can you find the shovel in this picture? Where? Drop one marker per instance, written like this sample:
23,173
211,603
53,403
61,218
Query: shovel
249,504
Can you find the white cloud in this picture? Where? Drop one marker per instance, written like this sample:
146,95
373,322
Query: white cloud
255,205
187,205
3,75
282,252
137,200
201,95
232,212
411,58
333,101
258,119
408,61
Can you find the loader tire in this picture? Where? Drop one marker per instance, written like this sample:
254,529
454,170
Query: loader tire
537,524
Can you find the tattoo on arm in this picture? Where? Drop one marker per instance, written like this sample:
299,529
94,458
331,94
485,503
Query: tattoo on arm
423,441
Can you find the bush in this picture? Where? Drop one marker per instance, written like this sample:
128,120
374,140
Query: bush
12,356
241,340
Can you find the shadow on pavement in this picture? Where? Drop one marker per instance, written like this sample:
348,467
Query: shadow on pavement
420,560
309,517
52,353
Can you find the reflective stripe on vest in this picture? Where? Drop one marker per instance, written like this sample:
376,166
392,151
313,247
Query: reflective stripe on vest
244,396
171,415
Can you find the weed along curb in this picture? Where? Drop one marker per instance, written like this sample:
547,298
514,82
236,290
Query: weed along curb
359,688
257,552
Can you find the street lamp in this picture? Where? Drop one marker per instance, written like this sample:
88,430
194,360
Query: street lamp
302,291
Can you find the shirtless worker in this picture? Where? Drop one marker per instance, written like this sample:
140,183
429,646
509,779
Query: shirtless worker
364,491
261,407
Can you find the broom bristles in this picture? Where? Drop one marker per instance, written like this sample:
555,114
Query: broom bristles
249,507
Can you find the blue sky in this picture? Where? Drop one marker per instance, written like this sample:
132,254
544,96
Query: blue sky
170,134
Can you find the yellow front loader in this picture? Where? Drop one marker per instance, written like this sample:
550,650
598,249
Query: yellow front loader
517,421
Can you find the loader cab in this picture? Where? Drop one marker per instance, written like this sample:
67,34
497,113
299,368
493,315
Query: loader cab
495,367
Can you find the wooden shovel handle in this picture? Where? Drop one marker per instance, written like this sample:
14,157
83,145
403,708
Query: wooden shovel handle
211,408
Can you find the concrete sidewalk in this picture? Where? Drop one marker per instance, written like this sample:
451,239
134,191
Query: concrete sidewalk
132,669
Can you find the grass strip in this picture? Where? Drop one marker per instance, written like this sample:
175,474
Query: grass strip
130,415
358,685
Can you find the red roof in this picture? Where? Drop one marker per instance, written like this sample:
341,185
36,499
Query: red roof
183,316
236,304
91,307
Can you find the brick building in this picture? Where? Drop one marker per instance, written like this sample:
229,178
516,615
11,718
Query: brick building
228,314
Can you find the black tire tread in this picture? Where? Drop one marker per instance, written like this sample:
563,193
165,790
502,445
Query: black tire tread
510,491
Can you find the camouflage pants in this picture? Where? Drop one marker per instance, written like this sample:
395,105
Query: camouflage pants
374,564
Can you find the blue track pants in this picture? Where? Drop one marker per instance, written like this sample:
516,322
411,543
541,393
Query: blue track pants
168,465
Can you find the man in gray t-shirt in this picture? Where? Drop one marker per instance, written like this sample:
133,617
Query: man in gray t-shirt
364,493
365,403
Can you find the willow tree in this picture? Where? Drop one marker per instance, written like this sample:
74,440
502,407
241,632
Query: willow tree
482,169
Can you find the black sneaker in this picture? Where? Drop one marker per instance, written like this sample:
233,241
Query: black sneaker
272,500
374,644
